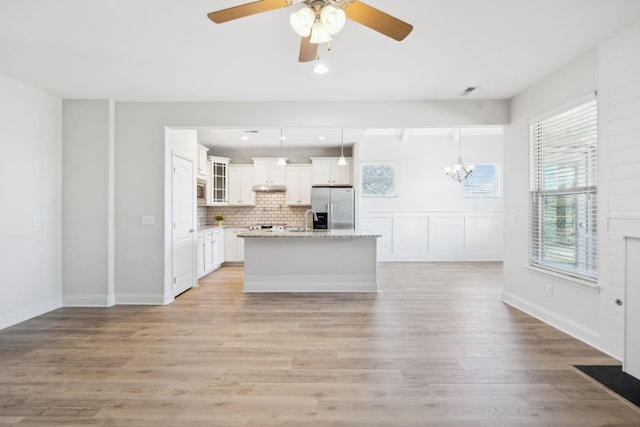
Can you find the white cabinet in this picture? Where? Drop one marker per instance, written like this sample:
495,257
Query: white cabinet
240,183
200,270
233,245
325,171
218,186
298,181
203,169
210,253
267,172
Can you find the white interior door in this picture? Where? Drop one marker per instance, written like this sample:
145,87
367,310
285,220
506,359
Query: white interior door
183,200
632,309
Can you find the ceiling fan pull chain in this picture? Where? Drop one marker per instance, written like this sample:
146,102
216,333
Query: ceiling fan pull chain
329,47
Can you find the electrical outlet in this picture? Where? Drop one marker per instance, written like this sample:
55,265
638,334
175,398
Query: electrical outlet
549,290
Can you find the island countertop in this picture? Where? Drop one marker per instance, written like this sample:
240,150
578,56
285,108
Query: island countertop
316,234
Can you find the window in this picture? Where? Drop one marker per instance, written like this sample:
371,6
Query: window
483,182
563,185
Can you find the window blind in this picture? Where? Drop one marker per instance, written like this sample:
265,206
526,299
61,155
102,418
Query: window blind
563,189
483,182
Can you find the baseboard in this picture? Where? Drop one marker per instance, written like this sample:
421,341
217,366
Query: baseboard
30,312
133,299
568,326
391,257
88,301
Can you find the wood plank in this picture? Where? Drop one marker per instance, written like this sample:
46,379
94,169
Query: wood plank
434,347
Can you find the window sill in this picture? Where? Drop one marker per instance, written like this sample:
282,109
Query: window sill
569,280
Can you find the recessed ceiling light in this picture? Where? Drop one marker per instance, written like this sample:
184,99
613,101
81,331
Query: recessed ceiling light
321,138
320,68
244,138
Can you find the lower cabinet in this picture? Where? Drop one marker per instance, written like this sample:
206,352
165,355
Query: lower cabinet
210,253
233,245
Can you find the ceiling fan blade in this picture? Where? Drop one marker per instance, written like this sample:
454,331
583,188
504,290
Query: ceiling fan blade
378,20
248,9
308,50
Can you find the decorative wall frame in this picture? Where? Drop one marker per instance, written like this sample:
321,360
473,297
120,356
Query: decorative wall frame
379,179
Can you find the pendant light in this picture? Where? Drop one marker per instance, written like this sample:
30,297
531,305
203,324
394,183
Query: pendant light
282,160
342,161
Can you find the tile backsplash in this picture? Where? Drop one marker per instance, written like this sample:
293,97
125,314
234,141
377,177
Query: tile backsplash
270,208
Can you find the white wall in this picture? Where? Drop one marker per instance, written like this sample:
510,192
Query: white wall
87,222
30,202
430,219
573,308
619,133
140,161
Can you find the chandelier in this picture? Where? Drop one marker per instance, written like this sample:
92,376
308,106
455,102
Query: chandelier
459,172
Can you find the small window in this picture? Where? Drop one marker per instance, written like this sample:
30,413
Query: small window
483,182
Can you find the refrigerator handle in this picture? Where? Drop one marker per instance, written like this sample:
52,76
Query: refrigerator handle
330,209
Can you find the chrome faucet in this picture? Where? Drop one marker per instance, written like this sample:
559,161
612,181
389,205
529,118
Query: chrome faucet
315,217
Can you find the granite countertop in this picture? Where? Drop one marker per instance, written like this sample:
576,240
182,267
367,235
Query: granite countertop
316,234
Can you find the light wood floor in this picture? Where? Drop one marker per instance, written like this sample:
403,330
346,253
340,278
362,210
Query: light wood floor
435,348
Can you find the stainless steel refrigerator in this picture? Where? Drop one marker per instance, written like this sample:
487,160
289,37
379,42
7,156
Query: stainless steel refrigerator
334,207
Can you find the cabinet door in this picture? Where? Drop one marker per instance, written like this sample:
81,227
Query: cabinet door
341,175
293,191
215,251
200,256
267,172
203,171
247,195
261,172
321,172
208,251
230,244
304,185
220,247
240,248
298,185
235,186
240,186
277,174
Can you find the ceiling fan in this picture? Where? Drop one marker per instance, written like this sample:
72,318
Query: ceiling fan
318,20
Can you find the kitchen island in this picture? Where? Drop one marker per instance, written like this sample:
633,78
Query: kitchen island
313,261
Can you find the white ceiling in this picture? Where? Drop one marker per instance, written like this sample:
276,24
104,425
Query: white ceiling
167,50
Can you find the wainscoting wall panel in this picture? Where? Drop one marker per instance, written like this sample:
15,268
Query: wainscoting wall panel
411,236
383,225
437,236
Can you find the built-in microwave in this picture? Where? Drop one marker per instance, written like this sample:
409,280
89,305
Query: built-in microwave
201,192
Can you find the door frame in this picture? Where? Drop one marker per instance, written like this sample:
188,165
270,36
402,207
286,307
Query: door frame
182,143
194,215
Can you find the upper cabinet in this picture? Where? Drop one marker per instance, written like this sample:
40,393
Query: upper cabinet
240,185
203,167
298,185
267,172
218,186
325,171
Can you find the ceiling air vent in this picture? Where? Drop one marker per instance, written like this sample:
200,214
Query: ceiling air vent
468,90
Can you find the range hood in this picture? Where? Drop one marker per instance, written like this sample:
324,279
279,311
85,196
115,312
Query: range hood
263,188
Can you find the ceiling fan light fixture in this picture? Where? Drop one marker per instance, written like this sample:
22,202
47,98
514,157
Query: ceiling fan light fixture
319,34
302,21
320,68
333,19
